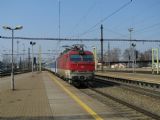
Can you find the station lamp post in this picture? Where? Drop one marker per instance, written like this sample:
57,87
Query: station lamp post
32,43
12,72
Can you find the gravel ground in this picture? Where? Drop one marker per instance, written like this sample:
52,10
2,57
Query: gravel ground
119,109
146,102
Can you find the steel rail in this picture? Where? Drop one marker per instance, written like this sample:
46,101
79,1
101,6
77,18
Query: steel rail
150,114
145,112
138,90
136,83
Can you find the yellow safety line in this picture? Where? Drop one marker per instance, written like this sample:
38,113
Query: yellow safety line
80,102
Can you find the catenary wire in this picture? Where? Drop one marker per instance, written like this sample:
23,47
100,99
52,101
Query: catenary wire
104,19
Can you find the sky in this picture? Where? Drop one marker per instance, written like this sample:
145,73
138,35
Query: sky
40,18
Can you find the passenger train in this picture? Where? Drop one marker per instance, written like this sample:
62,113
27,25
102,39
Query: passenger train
76,65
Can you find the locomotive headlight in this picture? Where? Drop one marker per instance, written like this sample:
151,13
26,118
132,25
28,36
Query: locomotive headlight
67,73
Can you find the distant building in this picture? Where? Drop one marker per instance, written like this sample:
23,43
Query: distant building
119,65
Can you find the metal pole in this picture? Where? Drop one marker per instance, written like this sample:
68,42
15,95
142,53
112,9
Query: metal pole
28,58
59,19
133,59
17,54
152,61
109,55
12,69
95,57
157,61
32,58
130,52
55,66
23,56
102,47
40,61
130,48
12,72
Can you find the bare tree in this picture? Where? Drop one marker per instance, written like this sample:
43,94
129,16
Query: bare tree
145,56
148,55
126,54
130,54
115,55
106,56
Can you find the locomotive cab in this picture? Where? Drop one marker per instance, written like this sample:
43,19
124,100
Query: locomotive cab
81,67
76,65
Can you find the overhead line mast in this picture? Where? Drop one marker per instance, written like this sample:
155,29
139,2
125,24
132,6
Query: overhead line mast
102,47
59,19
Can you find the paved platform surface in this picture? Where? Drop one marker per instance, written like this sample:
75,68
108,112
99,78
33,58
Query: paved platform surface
132,76
42,96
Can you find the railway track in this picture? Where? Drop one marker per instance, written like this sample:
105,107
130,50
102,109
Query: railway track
100,91
138,84
8,73
139,90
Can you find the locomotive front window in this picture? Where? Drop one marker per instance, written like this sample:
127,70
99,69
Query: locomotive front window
87,57
75,58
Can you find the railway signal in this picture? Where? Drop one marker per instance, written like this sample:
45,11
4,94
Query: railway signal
32,43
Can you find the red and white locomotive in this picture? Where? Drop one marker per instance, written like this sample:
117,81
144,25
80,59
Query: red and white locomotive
76,65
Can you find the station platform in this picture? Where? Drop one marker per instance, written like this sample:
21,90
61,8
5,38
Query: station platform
148,78
43,96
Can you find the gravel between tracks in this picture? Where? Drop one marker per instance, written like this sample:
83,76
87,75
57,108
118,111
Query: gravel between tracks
145,102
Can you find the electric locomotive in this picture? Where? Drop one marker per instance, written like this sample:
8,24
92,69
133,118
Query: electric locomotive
76,65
